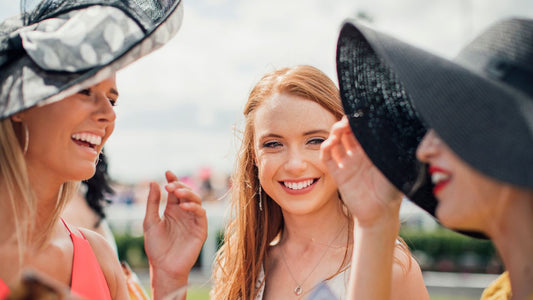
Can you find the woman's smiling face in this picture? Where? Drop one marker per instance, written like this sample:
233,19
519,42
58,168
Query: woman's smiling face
65,137
287,137
467,198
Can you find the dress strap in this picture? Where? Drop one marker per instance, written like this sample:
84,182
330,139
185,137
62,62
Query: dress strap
70,231
65,223
87,279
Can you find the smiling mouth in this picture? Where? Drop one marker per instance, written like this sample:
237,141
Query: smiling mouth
87,140
299,185
439,178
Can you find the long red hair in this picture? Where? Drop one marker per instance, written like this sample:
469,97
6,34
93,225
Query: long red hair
250,231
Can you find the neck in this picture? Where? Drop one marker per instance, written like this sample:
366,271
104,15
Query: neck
316,229
512,237
46,191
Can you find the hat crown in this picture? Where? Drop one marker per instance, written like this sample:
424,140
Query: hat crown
145,12
481,105
504,52
58,47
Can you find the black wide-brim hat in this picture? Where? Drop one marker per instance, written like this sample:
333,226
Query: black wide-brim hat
480,104
57,48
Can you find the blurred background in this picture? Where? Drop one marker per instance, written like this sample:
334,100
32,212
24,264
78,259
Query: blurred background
180,110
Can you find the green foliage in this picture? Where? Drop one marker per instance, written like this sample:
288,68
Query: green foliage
446,250
198,293
131,249
437,250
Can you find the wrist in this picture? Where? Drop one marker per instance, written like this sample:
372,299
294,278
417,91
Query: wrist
165,284
386,228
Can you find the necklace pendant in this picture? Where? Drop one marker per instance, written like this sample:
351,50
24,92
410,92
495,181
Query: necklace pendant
298,291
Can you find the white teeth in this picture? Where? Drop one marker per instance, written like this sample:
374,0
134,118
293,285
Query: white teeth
89,138
298,185
439,177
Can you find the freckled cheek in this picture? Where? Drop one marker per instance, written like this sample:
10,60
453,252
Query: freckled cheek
267,167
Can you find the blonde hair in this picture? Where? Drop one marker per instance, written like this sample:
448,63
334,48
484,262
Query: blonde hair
250,231
22,200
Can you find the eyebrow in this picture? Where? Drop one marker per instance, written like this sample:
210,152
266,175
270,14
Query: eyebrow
113,91
316,131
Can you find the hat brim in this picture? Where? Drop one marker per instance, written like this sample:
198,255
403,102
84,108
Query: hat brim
25,84
380,108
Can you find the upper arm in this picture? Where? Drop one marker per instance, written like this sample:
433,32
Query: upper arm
109,264
407,280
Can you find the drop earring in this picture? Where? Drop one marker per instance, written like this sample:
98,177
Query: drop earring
260,199
26,138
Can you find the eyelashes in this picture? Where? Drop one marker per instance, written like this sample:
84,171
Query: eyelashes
88,92
316,141
271,144
277,144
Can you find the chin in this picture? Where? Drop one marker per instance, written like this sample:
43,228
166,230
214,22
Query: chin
83,173
452,219
446,218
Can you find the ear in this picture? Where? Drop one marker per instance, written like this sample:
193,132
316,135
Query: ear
17,118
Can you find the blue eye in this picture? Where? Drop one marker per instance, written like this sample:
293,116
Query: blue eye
316,141
272,144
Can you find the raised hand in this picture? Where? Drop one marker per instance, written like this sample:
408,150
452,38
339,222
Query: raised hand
173,242
368,194
375,204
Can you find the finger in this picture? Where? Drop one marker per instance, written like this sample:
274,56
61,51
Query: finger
186,195
171,186
326,154
194,208
345,124
349,141
152,206
339,154
170,176
326,147
171,196
340,127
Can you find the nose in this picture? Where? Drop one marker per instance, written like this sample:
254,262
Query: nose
296,162
428,147
104,111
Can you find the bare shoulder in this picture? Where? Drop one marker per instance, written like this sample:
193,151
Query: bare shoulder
109,263
407,280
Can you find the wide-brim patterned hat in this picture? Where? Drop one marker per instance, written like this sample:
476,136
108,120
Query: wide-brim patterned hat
60,47
480,104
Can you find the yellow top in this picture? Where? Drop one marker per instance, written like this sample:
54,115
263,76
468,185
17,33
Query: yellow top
499,289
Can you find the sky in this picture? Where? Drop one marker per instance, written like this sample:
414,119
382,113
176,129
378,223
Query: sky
180,108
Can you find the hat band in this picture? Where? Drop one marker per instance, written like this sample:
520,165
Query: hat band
513,75
66,43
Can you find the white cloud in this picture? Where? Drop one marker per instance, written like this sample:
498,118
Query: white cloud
176,105
224,47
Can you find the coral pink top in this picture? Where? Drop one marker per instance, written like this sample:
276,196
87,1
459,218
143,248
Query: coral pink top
4,291
87,280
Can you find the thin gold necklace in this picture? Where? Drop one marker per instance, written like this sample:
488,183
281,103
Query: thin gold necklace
298,290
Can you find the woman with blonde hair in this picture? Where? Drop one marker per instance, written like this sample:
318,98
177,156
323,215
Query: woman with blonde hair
290,235
58,62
